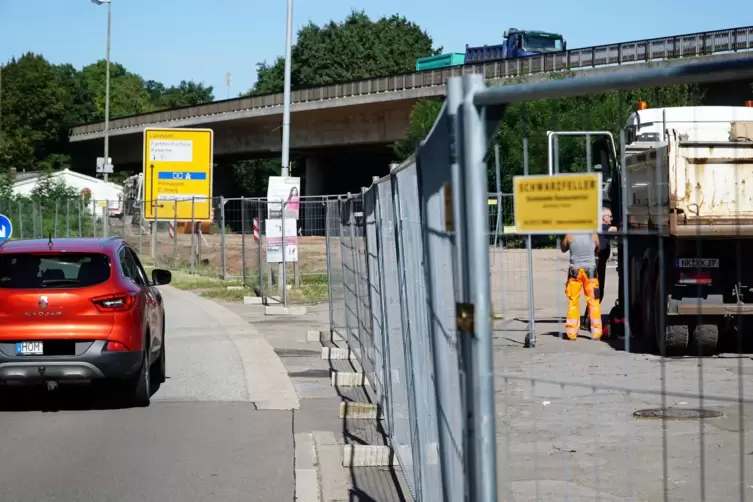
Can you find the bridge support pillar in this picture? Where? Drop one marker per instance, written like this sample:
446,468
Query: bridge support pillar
315,183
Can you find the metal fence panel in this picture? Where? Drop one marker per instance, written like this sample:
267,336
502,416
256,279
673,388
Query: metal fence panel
335,268
398,373
373,360
435,174
412,260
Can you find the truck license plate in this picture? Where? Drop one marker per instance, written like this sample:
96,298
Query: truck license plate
29,349
697,263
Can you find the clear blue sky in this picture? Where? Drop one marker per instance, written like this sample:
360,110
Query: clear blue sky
172,40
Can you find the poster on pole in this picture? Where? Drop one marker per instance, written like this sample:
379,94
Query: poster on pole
274,241
283,188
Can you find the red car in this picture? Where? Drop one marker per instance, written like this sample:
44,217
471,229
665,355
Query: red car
81,310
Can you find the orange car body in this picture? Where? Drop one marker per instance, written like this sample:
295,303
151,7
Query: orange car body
77,310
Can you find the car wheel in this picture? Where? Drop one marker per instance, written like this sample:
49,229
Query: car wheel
140,392
159,370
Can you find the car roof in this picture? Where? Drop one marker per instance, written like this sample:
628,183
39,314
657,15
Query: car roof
75,245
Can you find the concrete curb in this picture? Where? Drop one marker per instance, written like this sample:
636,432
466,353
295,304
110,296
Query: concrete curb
307,476
363,455
280,310
360,411
337,354
267,381
349,379
253,300
323,336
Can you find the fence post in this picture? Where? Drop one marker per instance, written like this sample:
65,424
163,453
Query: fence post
259,249
498,168
327,244
284,274
223,241
243,242
482,455
20,219
105,222
175,232
57,205
341,232
193,235
154,233
67,217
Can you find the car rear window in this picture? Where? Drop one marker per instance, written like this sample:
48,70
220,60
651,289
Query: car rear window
62,270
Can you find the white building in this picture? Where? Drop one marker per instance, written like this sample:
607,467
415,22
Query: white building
103,194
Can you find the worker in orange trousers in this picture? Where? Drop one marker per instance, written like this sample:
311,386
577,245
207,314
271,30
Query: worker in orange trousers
581,275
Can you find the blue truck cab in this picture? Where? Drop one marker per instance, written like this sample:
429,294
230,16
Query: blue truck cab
517,44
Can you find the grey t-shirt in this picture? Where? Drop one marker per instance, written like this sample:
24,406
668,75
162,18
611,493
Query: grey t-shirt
582,251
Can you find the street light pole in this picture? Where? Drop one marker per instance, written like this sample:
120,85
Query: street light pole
107,93
286,95
107,86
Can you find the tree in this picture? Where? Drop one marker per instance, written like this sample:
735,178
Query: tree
422,117
42,101
185,94
128,94
354,49
35,107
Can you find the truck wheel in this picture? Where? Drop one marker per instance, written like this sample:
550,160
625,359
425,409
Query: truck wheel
676,338
673,339
704,339
648,303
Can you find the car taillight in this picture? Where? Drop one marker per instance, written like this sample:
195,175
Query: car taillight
116,347
118,302
700,278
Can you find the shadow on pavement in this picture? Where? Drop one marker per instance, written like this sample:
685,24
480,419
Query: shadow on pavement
365,432
71,397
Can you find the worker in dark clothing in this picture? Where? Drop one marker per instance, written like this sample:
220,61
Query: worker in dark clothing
605,251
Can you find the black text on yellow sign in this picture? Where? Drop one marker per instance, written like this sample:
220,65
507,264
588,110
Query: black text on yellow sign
565,203
178,169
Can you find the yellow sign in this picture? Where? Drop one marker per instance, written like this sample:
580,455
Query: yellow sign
560,204
178,174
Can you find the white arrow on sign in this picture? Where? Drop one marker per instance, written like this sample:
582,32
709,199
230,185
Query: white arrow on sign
2,232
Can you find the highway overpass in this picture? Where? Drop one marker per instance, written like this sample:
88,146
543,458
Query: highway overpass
376,111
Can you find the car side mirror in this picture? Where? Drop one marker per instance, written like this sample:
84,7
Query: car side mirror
161,277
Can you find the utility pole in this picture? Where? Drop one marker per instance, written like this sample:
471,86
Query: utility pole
286,95
228,83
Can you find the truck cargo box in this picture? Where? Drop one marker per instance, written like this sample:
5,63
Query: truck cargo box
694,188
484,53
440,61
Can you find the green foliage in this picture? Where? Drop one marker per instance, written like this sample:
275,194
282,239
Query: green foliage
41,101
422,118
354,49
252,175
605,112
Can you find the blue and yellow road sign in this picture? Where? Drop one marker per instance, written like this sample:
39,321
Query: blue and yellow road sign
178,174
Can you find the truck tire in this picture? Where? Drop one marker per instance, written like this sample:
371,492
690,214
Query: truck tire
704,340
648,301
675,342
674,338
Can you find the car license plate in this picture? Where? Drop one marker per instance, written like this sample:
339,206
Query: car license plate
697,263
29,349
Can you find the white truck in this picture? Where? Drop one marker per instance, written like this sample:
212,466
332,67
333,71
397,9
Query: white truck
689,192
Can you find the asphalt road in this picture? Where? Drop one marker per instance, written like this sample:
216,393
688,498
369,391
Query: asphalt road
219,429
